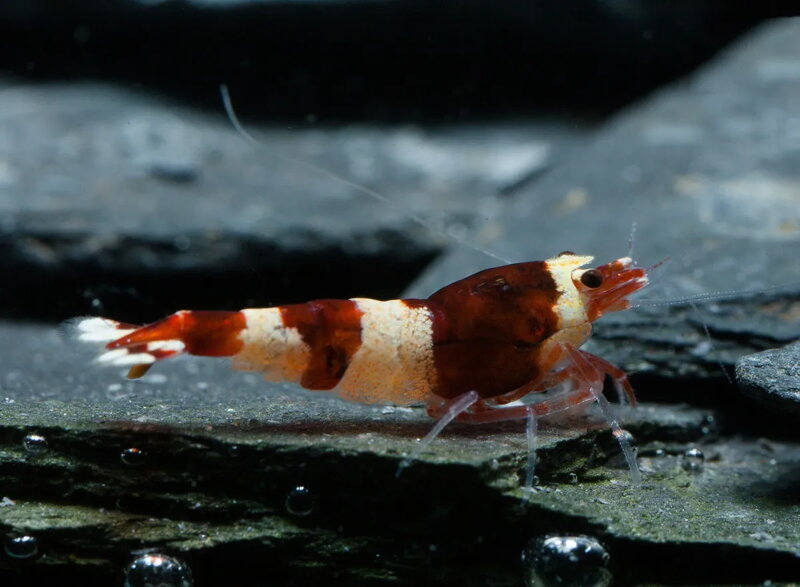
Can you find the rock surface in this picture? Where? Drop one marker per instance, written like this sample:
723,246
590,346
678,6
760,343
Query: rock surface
204,464
772,377
129,206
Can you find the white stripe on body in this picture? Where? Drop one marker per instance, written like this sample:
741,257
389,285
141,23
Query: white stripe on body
395,361
570,308
270,347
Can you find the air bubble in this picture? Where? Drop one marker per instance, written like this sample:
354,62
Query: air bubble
134,457
182,242
565,561
158,569
35,444
693,460
300,501
22,546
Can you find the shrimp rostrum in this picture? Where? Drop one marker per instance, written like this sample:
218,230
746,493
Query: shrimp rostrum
475,351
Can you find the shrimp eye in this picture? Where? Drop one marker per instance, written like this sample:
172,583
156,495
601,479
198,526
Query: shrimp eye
592,278
565,253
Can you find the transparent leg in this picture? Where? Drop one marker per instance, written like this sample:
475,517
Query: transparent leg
450,411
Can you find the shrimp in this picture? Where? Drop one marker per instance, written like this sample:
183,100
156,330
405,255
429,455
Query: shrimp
470,352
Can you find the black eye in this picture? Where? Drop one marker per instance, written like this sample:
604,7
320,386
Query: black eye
565,253
592,278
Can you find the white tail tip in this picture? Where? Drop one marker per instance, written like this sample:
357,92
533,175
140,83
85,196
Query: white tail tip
99,330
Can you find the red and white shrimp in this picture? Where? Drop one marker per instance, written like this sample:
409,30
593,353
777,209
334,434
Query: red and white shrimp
468,352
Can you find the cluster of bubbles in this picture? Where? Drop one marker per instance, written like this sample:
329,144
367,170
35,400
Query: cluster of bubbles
153,569
565,561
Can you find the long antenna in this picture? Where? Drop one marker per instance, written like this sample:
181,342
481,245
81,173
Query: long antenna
226,101
713,296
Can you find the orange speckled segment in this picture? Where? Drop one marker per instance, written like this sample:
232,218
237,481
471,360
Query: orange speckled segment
395,361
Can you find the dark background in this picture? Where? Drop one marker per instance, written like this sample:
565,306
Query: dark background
378,60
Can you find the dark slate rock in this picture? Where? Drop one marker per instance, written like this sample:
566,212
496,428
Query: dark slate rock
772,377
203,464
709,170
399,59
130,205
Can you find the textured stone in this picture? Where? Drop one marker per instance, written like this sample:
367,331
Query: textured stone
130,205
772,377
218,454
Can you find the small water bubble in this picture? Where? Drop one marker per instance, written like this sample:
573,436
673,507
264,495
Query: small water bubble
693,460
565,561
300,501
35,444
182,242
134,457
158,570
22,546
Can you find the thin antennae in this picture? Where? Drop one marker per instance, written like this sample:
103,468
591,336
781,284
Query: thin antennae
714,296
663,261
226,101
711,343
630,239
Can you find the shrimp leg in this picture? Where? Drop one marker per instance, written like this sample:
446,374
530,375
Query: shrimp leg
451,410
586,372
586,369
